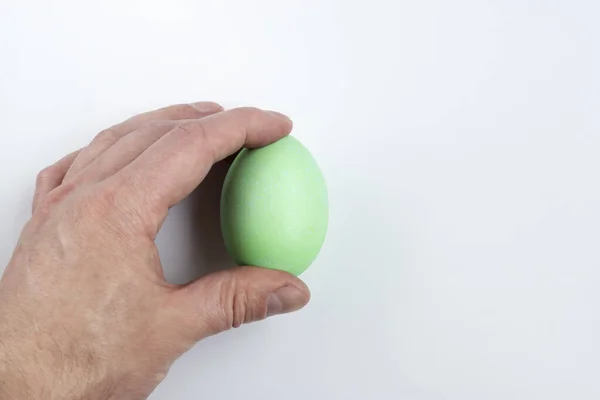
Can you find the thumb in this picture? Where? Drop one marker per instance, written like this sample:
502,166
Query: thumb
228,299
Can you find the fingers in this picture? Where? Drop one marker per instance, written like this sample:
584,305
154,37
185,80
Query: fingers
228,299
109,137
123,152
52,177
176,164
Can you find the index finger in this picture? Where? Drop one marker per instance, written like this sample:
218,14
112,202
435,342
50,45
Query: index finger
170,169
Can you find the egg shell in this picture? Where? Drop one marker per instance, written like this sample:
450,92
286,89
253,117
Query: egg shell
274,207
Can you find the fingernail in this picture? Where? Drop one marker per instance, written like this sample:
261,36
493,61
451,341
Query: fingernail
207,106
285,300
280,115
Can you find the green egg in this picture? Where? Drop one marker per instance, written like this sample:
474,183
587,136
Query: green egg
274,207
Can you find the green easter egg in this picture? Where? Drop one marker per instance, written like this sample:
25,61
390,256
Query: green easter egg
274,207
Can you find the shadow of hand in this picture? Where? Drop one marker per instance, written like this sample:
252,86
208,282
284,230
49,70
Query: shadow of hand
190,242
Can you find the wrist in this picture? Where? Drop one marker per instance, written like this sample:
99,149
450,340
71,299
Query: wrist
17,379
38,367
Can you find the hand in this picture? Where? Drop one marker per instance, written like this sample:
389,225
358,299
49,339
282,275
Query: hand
85,311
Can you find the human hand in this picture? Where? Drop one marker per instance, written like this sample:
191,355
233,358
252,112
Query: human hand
85,310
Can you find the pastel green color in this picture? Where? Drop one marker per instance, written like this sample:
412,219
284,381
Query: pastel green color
274,207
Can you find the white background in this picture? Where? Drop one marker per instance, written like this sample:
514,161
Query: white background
460,141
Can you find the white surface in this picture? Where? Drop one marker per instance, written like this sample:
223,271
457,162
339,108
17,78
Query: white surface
460,141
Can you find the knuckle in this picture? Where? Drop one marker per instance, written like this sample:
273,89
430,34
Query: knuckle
53,198
249,112
104,194
174,112
194,133
185,111
48,203
238,304
107,135
192,128
181,111
160,124
239,309
111,206
96,204
45,175
146,127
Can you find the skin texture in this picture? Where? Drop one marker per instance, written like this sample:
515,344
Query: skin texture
85,311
